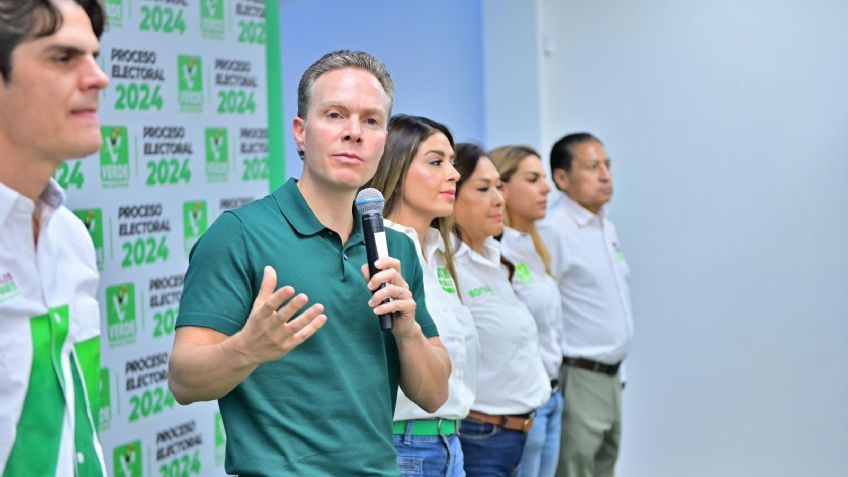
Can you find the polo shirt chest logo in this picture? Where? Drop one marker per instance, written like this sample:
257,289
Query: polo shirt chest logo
445,280
523,273
481,292
121,314
8,288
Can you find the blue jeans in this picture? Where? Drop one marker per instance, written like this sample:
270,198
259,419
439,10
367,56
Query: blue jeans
541,452
429,456
490,451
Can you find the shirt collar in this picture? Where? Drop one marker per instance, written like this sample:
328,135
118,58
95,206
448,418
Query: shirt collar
432,239
298,213
581,215
491,251
52,196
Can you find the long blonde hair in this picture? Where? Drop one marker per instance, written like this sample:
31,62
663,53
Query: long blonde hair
507,159
406,133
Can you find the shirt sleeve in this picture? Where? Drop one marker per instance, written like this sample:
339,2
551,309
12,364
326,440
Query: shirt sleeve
218,290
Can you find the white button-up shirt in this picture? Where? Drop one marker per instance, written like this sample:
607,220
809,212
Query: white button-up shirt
511,378
539,291
592,273
49,343
456,330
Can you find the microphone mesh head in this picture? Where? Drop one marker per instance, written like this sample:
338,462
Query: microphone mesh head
369,201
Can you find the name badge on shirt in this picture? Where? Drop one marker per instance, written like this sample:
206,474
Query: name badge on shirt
481,293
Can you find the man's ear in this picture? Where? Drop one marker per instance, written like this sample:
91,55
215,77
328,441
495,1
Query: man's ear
560,179
299,132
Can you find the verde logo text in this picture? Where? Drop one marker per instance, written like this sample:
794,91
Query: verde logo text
190,70
115,157
121,314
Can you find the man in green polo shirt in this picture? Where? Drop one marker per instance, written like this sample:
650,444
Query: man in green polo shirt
310,390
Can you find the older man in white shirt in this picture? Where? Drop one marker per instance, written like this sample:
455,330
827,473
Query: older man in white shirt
592,273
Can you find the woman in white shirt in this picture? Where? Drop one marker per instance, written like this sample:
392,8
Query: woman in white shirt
511,379
418,180
526,190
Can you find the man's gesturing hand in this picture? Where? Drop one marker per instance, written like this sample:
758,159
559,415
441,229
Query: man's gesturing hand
270,332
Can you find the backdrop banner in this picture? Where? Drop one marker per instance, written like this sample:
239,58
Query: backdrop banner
185,137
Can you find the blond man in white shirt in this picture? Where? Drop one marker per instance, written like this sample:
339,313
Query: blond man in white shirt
50,327
592,273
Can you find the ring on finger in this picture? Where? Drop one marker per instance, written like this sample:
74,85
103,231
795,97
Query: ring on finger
400,292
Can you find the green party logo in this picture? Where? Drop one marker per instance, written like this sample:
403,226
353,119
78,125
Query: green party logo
115,157
120,314
445,280
220,439
115,12
8,288
195,222
190,69
126,460
217,155
523,273
212,19
105,413
93,221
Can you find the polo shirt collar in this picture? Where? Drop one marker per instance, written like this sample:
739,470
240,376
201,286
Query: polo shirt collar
581,215
298,213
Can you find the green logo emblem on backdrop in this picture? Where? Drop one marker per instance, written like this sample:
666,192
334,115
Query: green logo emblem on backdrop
190,69
445,280
217,155
195,222
126,460
212,19
523,273
120,314
220,439
114,12
93,220
115,157
105,413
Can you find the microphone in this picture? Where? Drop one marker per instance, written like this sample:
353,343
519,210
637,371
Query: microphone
369,202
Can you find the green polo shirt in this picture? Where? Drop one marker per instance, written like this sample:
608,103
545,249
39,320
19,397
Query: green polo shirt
326,407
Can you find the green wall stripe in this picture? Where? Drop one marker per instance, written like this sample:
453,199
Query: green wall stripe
276,127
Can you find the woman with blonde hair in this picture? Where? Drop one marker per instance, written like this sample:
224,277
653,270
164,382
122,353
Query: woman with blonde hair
526,189
511,379
418,180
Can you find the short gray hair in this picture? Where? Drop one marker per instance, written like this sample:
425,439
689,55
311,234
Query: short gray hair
338,60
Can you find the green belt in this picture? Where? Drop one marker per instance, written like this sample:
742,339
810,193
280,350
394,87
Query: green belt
428,427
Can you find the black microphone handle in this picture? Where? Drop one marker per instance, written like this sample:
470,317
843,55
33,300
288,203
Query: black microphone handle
370,224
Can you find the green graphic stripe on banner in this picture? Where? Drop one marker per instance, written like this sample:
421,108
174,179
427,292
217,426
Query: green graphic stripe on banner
88,463
276,148
39,430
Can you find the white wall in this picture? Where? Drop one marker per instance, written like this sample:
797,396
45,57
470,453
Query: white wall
727,123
